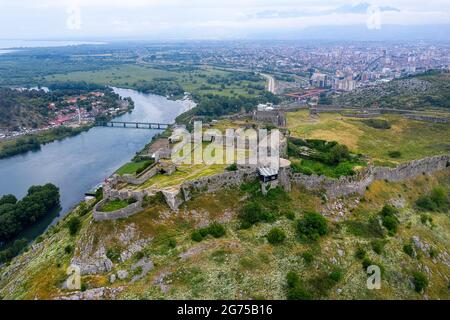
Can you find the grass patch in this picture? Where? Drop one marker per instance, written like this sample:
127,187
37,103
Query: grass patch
134,167
114,205
361,138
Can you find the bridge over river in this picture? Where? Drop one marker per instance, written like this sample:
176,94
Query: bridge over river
135,125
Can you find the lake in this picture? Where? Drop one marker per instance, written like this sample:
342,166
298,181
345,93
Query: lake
79,163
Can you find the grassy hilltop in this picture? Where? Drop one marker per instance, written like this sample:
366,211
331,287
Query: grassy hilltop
168,255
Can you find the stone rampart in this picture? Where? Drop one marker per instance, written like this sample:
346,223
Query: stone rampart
358,183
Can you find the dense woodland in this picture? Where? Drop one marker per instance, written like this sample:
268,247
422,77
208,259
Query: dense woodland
16,215
211,105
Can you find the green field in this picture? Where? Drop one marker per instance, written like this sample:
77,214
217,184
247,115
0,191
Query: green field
193,81
413,139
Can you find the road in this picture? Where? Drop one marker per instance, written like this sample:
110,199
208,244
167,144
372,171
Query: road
271,85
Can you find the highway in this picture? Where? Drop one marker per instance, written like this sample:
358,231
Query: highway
271,85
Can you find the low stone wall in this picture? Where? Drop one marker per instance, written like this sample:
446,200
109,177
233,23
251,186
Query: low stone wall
217,182
427,118
113,215
358,183
149,173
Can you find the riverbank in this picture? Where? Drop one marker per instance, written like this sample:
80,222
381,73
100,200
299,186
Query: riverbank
21,144
78,163
33,142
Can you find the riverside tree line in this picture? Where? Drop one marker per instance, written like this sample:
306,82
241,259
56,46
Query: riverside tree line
16,215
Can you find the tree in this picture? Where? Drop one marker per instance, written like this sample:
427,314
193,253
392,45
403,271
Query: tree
420,281
74,225
312,226
15,215
389,219
9,198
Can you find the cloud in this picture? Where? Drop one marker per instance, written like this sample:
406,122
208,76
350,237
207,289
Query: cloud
201,18
360,8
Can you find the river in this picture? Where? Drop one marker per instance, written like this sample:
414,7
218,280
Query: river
79,163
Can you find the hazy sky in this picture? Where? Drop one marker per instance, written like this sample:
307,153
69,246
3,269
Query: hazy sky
203,19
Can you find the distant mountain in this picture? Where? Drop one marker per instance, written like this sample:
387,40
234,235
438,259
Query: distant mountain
362,8
361,33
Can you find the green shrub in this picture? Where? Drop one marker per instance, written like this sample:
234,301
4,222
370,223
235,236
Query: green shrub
367,263
216,230
290,215
74,225
336,276
377,123
312,226
253,213
298,293
433,253
409,250
378,246
360,253
113,254
308,257
292,279
426,204
68,249
420,281
425,219
172,243
389,219
139,255
197,236
295,289
276,235
395,154
436,201
83,209
232,167
440,198
369,229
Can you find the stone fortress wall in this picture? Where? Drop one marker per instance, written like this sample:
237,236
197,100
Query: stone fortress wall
331,187
358,183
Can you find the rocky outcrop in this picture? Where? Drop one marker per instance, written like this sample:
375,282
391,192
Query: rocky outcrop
173,197
92,263
102,293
